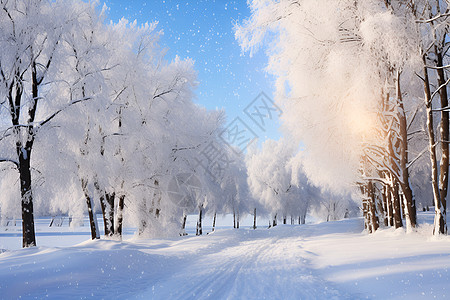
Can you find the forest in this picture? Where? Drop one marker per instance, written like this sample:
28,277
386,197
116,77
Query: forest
101,126
365,92
96,119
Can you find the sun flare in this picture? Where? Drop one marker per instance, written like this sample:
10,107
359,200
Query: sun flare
360,121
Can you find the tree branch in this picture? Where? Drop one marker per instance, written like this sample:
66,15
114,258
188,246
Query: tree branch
438,89
417,157
62,109
162,93
415,132
413,118
10,160
438,68
420,77
433,19
174,150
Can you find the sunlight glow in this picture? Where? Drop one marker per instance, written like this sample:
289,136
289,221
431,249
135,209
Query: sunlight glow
360,121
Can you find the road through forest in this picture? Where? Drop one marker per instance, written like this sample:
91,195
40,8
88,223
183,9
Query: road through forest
333,260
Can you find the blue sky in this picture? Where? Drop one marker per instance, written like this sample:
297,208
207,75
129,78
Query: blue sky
203,31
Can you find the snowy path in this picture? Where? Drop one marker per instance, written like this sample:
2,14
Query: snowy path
318,261
254,265
228,264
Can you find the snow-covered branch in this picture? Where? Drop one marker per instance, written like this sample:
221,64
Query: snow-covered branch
430,20
48,119
439,89
10,161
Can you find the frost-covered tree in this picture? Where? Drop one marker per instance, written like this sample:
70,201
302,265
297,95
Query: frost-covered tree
119,117
276,179
345,79
34,68
235,188
432,22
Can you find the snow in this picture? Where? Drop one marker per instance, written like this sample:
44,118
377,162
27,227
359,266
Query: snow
333,260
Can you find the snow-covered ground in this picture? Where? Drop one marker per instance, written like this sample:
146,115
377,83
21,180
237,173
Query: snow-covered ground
332,260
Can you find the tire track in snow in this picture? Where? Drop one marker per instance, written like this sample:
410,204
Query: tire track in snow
263,264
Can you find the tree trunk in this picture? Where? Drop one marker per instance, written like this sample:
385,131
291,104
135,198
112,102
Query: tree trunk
95,234
304,217
409,205
275,221
110,198
389,204
119,223
402,203
28,232
143,215
24,158
254,218
385,206
396,208
365,208
381,213
380,210
183,225
24,151
439,221
214,222
157,196
199,222
237,220
444,132
394,162
284,220
107,204
104,214
103,206
373,218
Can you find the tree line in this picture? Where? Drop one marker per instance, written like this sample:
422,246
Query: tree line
95,118
363,85
91,111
